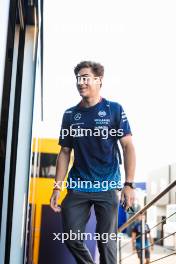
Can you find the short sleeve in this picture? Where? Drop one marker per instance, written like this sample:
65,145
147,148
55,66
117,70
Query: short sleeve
134,229
124,125
65,140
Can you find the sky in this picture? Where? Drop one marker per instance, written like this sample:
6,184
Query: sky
135,41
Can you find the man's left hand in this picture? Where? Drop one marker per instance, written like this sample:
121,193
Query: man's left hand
127,197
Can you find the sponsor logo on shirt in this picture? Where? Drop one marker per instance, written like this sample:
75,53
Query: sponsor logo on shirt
102,113
77,116
124,117
102,121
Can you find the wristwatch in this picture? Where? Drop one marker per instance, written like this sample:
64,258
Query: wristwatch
130,184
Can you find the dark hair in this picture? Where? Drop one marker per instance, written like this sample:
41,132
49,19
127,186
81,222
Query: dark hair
97,68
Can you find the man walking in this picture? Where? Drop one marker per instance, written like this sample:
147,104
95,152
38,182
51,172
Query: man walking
136,236
92,129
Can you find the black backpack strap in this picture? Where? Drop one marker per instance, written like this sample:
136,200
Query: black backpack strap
118,149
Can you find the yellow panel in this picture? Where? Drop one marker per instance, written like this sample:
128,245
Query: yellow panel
41,190
45,145
40,193
37,234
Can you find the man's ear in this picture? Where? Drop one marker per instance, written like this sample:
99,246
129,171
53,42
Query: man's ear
98,80
101,80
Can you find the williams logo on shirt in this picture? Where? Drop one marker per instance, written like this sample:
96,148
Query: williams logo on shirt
102,113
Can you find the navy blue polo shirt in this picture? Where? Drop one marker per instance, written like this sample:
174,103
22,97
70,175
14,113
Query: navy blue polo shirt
93,133
138,230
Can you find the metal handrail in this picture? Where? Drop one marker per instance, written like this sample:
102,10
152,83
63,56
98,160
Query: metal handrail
133,218
174,253
144,209
142,249
165,219
160,239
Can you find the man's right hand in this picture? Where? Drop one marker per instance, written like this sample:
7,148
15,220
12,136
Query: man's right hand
54,201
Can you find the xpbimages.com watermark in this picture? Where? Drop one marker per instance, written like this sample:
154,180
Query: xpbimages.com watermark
102,131
85,184
104,237
88,80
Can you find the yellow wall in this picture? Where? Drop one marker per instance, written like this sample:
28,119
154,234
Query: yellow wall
46,145
41,190
40,193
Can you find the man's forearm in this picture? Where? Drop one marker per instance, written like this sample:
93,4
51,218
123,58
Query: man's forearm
62,163
129,162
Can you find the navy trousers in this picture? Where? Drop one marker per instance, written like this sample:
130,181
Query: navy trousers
75,214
